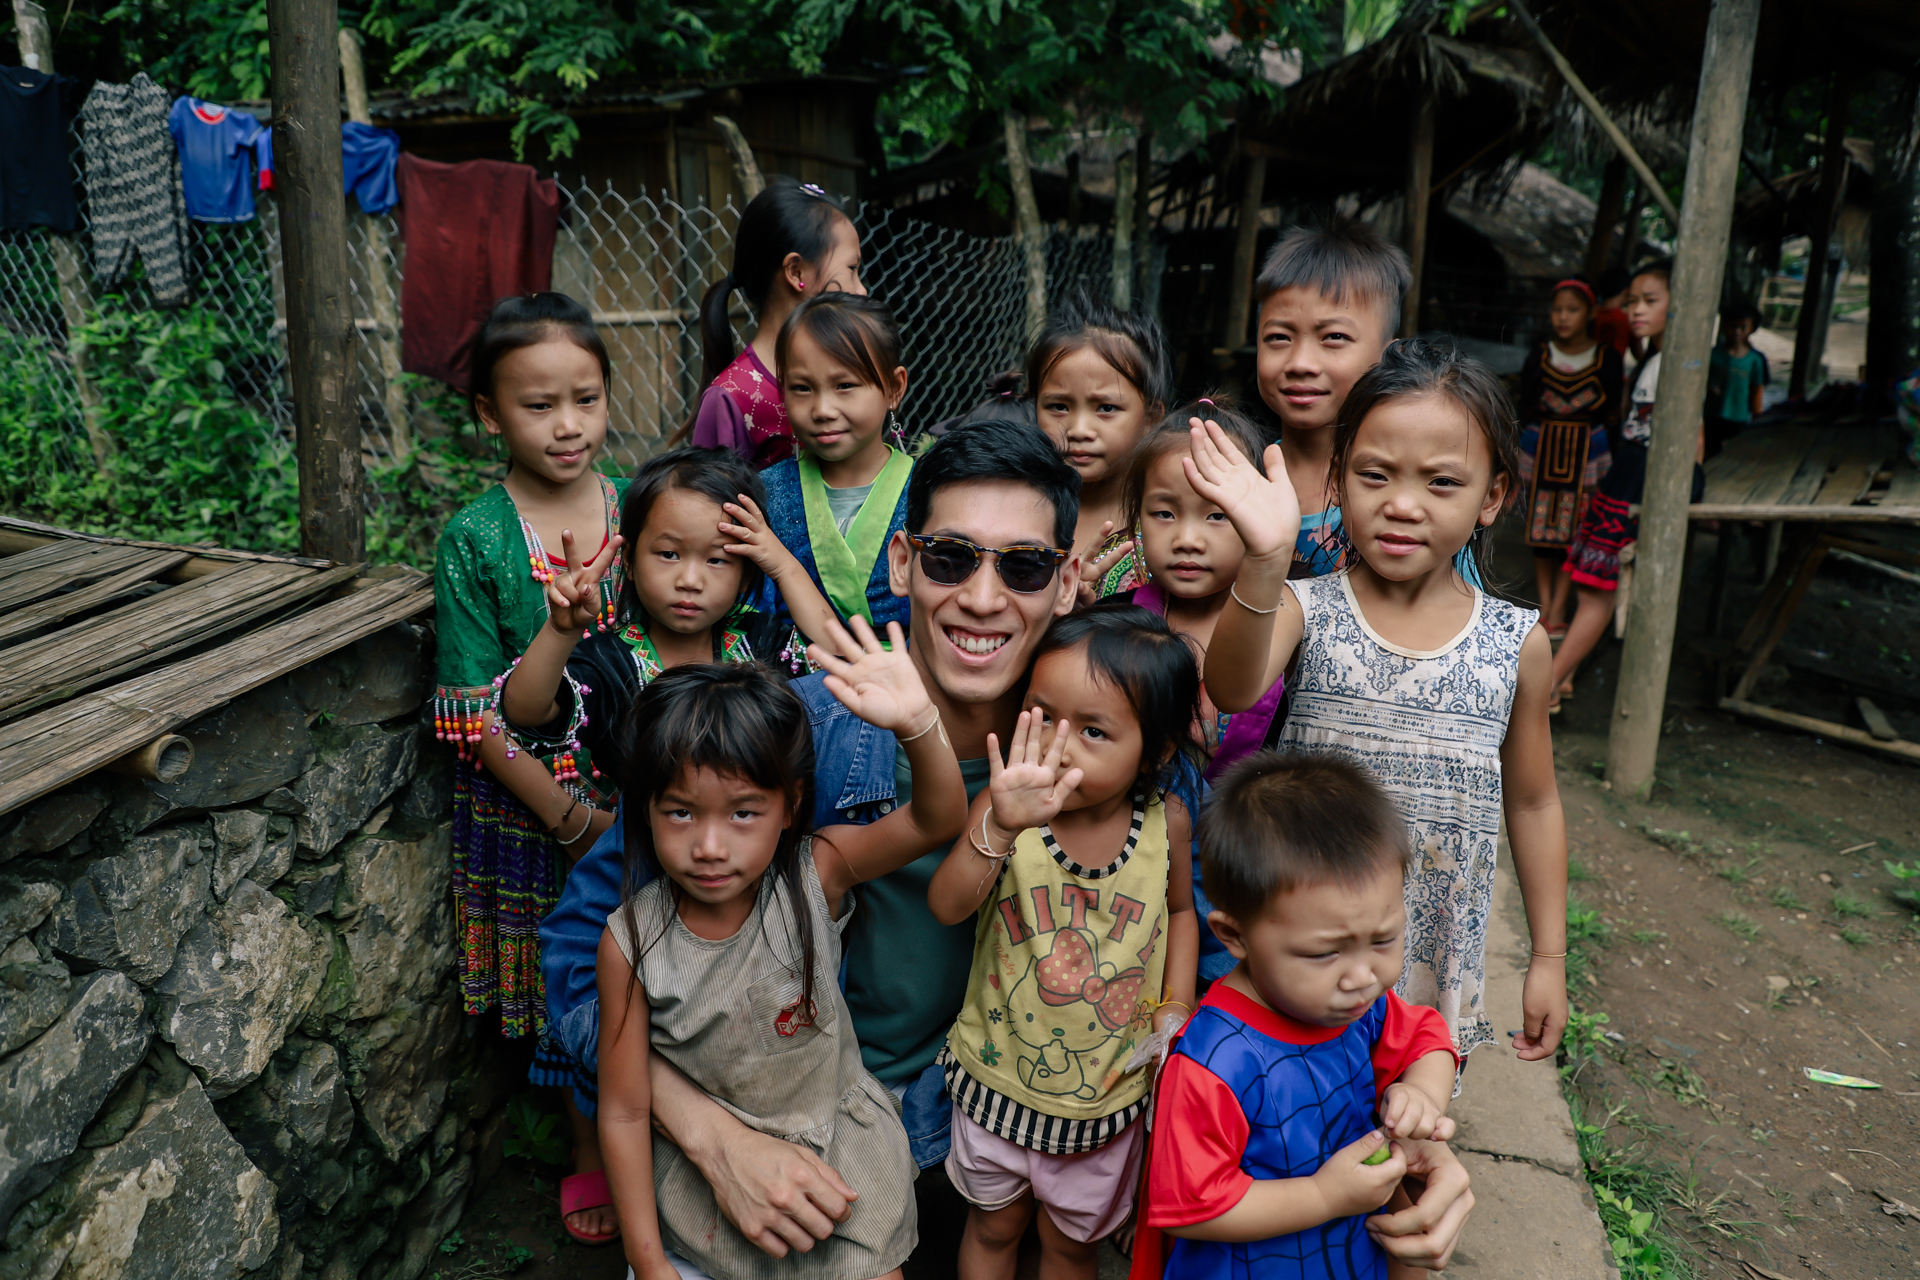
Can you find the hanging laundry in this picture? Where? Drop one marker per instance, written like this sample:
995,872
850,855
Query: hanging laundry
221,150
475,233
36,174
134,199
367,156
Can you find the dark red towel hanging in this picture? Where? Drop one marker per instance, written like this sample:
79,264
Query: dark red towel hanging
475,233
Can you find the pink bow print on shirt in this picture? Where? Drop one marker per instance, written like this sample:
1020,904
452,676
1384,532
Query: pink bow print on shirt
1068,973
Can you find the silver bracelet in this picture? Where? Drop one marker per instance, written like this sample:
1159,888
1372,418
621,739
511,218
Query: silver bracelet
1234,591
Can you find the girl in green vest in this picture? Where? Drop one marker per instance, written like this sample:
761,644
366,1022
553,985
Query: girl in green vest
1076,864
838,504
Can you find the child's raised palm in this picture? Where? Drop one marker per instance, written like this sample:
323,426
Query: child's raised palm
573,595
1030,788
880,686
1264,509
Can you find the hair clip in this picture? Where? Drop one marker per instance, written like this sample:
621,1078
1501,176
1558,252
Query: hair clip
814,189
1207,401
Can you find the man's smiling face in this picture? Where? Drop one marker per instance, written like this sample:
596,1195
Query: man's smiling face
976,639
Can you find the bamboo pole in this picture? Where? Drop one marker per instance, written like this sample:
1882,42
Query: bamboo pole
1142,216
1713,168
1815,302
303,44
1027,218
1598,112
1419,192
1233,325
386,310
76,297
1124,171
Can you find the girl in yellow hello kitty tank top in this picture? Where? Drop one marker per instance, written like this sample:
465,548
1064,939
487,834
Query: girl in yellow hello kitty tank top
1077,865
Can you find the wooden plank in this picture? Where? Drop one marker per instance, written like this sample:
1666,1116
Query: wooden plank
29,584
46,613
18,536
50,749
1757,466
1876,720
1904,488
138,635
1806,482
1825,728
1851,474
1883,514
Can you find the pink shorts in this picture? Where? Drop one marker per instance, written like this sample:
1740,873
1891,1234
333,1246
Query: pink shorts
1088,1195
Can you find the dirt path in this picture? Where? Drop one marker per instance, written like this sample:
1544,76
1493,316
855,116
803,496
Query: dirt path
1740,933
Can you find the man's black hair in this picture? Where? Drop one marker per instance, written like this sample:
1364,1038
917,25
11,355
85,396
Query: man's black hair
997,449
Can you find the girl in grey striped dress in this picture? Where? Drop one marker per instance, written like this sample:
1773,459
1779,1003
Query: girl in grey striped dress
723,962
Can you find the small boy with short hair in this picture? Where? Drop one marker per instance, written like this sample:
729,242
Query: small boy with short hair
1265,1157
1329,305
1736,377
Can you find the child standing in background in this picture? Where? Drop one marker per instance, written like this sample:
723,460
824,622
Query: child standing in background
1329,304
1570,398
1264,1116
1098,378
1076,868
1609,525
1409,670
838,504
794,242
1736,377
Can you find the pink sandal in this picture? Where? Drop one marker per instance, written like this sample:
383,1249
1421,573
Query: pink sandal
580,1191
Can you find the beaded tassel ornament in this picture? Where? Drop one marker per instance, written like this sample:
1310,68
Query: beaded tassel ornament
457,717
543,573
566,762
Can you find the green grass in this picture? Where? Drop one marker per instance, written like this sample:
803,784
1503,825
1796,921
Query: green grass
1635,1196
1577,871
1847,906
1738,872
1784,898
1739,924
1856,937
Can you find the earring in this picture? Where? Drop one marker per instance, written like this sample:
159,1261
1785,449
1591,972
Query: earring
1140,555
893,431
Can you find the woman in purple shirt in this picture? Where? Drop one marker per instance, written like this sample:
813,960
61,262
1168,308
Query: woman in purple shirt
794,241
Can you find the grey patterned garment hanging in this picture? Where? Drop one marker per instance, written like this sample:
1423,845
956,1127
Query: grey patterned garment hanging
135,202
1429,727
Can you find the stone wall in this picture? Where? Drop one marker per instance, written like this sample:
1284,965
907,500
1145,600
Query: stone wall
230,1038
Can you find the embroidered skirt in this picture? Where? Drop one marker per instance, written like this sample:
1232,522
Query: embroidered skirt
504,881
1560,463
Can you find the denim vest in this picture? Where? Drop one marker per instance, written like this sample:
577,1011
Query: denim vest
787,519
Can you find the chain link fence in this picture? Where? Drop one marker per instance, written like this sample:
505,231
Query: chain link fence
640,263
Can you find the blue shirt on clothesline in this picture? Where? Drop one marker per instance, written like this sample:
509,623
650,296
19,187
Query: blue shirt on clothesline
221,150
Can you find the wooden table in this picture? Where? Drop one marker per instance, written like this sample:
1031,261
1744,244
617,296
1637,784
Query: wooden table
1807,482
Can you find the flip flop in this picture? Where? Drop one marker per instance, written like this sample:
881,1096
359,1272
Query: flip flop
585,1191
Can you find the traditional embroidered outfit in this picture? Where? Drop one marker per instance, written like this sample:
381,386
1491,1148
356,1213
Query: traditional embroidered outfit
490,576
1567,405
1067,969
845,556
1250,1094
744,410
1593,557
1429,727
732,1016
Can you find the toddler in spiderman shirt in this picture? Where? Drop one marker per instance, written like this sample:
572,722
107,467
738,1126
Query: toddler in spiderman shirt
1266,1155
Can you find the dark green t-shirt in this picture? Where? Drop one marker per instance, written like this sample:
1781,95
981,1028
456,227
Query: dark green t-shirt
906,972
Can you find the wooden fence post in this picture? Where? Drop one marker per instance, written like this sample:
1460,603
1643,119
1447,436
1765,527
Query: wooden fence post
1815,302
76,297
1713,166
1142,216
1613,194
1419,190
386,309
1233,326
304,48
1026,212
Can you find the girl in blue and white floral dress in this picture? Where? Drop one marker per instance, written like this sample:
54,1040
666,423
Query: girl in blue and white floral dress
1410,670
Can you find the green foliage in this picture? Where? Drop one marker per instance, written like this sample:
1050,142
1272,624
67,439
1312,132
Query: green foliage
416,498
1739,925
525,58
1631,1193
1846,905
1854,936
534,1133
191,462
1787,900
